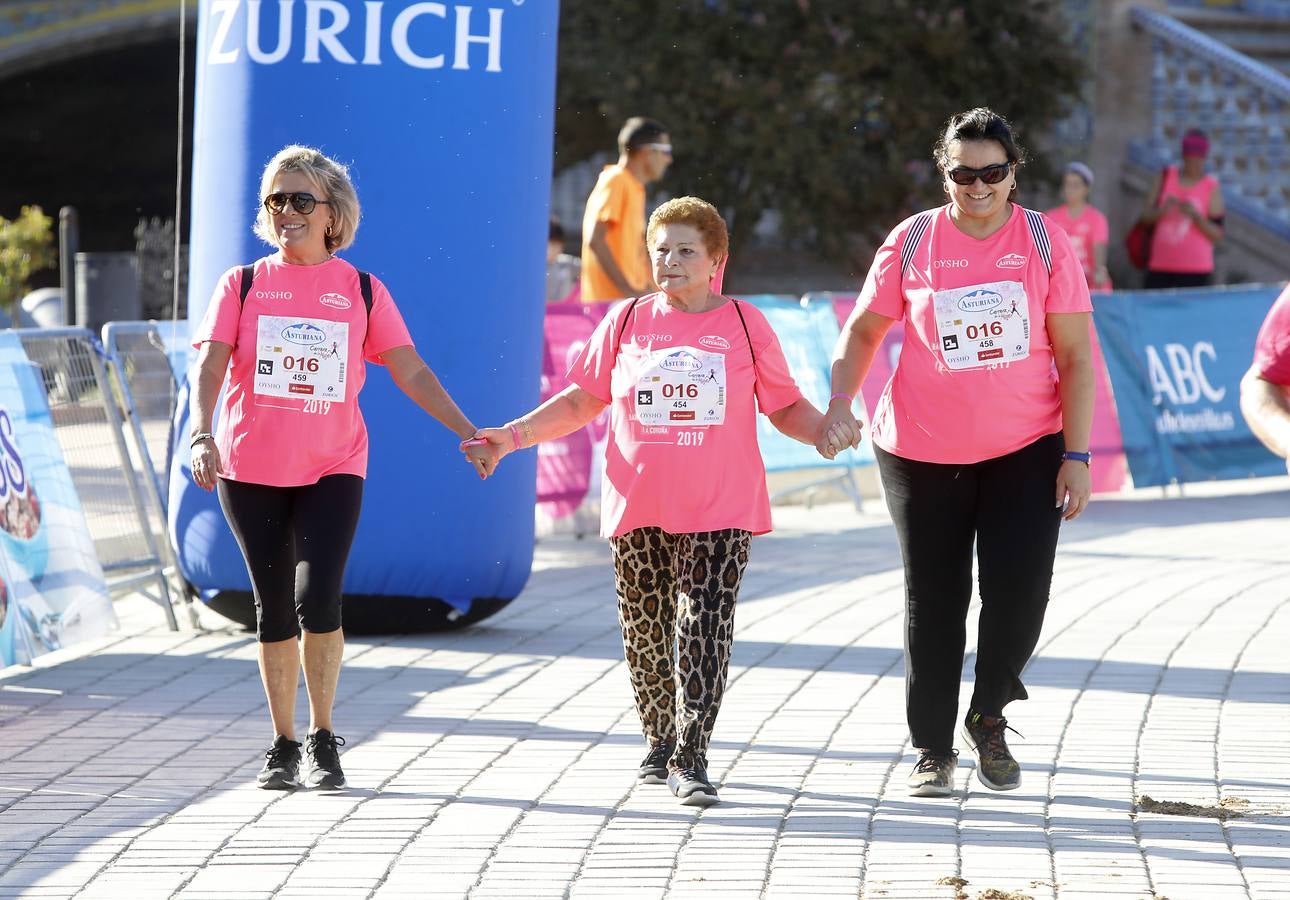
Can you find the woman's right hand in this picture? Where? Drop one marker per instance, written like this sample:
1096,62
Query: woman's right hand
839,429
205,464
500,443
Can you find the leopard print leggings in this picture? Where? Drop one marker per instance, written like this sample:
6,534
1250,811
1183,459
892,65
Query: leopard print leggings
676,605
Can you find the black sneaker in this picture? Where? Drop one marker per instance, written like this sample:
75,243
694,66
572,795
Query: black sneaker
691,787
654,766
995,767
281,770
324,760
933,774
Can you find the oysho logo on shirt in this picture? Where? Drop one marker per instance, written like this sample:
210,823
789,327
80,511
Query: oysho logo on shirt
335,301
714,342
650,338
303,334
949,264
273,295
1011,261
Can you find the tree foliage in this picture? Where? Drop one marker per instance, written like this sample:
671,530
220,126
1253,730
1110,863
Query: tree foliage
26,246
822,110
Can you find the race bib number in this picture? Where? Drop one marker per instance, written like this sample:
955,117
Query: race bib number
681,386
304,359
983,324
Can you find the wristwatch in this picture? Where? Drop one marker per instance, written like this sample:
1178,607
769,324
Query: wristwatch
1076,455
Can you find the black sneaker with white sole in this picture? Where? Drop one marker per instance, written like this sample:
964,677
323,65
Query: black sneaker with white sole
691,787
324,760
281,770
995,766
654,766
933,774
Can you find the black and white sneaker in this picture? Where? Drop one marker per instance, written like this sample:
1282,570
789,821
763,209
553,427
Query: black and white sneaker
654,766
933,774
692,788
324,760
281,770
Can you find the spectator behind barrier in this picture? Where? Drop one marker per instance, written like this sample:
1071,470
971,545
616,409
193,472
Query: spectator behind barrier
290,454
1265,389
684,371
1185,206
1084,224
614,262
981,435
563,271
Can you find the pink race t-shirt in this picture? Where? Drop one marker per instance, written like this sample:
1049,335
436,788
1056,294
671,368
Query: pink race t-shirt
1272,348
1086,231
289,413
1177,245
975,378
683,394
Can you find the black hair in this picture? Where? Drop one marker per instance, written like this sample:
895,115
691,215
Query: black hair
557,231
980,124
639,131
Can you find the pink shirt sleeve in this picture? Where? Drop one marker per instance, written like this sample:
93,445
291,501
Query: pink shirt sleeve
1272,348
775,386
1101,232
385,326
882,292
594,368
1067,284
220,323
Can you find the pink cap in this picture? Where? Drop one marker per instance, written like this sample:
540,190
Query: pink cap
1195,143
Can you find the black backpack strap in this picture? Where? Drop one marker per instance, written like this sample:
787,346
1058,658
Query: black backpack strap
248,275
746,334
365,286
623,327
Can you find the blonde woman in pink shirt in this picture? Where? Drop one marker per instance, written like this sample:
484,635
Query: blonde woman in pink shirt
981,434
684,372
290,334
1186,207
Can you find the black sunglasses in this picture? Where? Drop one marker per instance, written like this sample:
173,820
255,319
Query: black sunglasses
990,174
301,201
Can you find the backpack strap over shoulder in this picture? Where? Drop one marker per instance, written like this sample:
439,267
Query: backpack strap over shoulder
1039,233
248,276
914,237
747,336
365,287
623,327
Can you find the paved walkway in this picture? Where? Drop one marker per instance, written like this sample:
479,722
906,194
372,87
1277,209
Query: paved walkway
500,761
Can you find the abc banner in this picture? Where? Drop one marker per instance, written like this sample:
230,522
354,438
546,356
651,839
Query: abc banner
444,114
51,587
1176,360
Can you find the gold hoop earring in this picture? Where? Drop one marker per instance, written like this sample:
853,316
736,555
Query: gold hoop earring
329,230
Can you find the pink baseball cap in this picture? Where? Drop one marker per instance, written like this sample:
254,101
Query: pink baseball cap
1195,143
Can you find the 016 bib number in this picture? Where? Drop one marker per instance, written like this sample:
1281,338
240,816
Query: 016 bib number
983,324
304,359
681,386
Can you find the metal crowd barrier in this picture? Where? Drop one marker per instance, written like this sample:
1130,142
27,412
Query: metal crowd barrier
118,493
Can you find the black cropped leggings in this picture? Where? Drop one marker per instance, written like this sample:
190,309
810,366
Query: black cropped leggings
295,541
1007,507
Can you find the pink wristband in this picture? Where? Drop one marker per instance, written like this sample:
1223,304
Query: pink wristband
515,435
846,397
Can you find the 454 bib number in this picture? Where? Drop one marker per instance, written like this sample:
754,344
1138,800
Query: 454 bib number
681,386
301,358
983,324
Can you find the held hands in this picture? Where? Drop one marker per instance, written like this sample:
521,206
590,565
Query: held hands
1074,487
205,464
496,443
839,429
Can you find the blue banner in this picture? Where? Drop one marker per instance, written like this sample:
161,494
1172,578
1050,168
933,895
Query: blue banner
52,591
1176,359
807,332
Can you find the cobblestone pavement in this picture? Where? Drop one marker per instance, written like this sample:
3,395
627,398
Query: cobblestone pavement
500,761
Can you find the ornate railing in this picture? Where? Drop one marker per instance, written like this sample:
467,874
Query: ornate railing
1244,105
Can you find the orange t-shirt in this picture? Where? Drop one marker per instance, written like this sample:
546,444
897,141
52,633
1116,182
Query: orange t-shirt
618,199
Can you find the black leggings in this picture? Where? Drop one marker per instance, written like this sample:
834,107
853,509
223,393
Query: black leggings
1007,505
295,541
1156,280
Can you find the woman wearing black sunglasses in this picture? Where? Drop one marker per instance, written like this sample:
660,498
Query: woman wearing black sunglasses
981,435
292,332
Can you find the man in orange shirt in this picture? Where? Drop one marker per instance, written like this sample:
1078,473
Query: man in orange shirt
614,261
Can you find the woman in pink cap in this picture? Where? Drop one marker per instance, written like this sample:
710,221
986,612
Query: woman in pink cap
1186,207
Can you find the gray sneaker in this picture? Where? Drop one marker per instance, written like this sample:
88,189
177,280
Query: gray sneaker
995,766
933,774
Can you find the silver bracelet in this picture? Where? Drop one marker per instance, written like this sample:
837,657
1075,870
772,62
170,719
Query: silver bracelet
198,438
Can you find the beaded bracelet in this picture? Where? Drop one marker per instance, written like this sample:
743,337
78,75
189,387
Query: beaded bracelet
515,435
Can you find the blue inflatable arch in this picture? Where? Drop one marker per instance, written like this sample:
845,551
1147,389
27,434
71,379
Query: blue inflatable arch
444,113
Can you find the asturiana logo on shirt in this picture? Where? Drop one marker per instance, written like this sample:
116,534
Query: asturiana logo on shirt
1011,261
335,301
714,342
681,362
979,301
304,334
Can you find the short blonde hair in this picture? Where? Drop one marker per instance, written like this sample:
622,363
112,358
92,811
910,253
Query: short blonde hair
330,178
698,214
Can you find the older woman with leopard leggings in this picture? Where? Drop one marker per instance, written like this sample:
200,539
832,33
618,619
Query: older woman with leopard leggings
684,371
